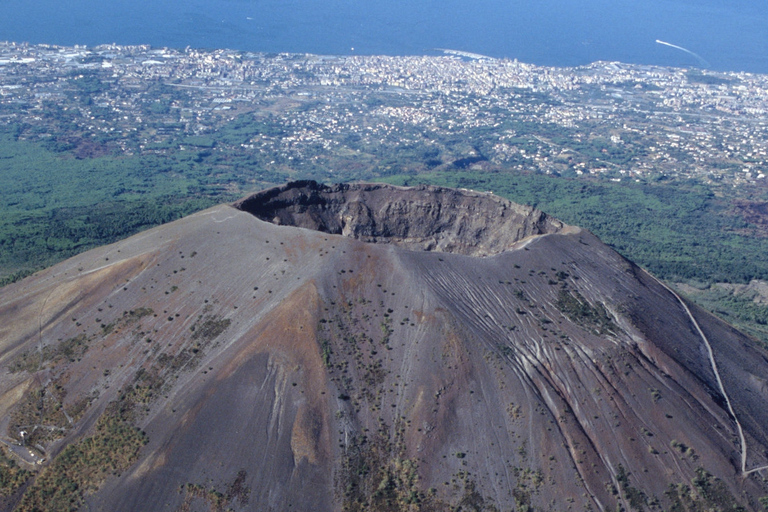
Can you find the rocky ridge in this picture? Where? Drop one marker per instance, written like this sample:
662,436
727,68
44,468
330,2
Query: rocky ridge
425,218
269,366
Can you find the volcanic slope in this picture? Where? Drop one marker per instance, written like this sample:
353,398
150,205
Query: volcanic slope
369,347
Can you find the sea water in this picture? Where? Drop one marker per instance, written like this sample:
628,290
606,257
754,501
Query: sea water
727,35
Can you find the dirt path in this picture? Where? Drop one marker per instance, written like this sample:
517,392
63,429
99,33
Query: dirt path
742,439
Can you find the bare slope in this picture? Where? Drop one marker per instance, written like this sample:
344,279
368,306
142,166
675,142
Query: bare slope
274,367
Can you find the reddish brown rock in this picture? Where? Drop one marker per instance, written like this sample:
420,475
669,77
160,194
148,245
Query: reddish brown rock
370,347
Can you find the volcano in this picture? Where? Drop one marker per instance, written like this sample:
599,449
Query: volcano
372,347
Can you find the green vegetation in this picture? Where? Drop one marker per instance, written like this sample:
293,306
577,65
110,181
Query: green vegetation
528,483
208,328
82,467
11,475
55,205
474,501
739,309
375,478
326,352
678,232
708,493
594,318
69,350
636,498
215,500
41,407
148,383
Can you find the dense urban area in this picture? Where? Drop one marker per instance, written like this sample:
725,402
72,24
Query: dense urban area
326,115
491,357
667,165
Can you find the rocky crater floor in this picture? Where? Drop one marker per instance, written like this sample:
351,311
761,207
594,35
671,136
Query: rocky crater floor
424,218
370,347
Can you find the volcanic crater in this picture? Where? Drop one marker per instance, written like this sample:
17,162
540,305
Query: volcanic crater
425,218
369,347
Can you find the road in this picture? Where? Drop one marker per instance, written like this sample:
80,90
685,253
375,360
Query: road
713,363
25,453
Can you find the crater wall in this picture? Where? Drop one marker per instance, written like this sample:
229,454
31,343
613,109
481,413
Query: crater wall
423,218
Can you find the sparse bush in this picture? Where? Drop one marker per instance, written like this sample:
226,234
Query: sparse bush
82,467
11,475
209,327
595,318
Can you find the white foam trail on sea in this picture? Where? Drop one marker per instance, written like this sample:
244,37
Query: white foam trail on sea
704,62
468,55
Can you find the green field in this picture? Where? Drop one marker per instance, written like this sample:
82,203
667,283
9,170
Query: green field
676,232
55,205
679,232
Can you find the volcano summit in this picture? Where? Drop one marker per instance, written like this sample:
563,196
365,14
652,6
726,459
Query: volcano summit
371,347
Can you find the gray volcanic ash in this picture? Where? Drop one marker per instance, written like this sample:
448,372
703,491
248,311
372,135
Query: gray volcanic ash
369,347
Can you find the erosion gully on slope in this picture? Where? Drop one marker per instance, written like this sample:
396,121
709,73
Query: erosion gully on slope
742,438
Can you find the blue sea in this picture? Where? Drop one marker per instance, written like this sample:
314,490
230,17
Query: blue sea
723,35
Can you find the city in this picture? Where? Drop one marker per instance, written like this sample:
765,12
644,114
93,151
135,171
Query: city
341,116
